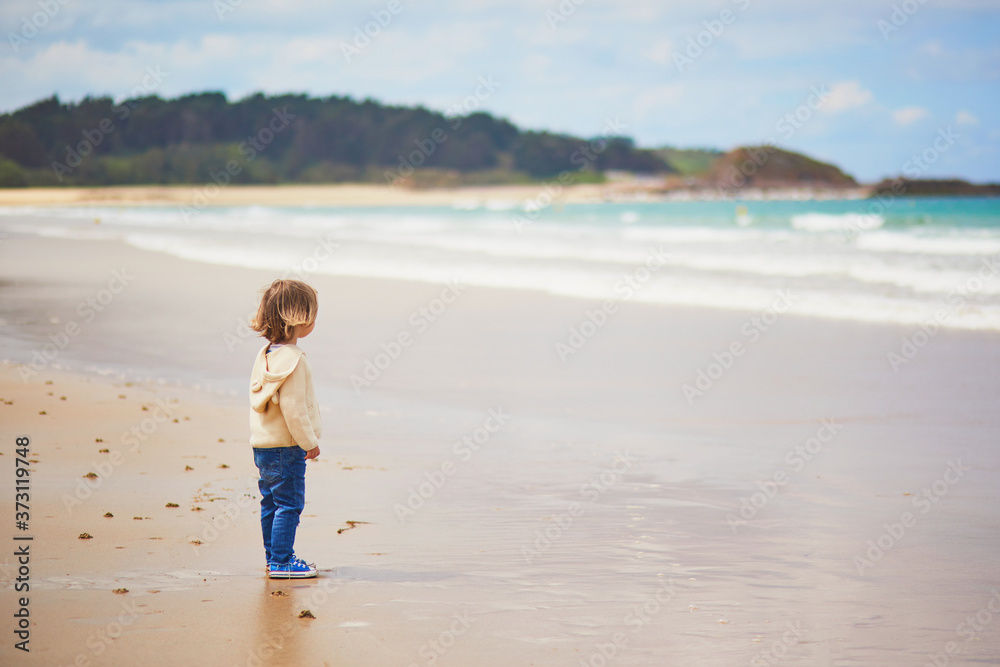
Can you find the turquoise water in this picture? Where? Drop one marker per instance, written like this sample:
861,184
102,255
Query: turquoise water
895,213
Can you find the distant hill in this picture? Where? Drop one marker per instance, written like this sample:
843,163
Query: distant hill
689,161
204,137
290,138
771,167
907,187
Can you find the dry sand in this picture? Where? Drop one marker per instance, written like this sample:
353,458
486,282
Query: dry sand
355,194
597,522
293,195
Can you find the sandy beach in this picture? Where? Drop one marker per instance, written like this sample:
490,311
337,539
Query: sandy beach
208,194
485,497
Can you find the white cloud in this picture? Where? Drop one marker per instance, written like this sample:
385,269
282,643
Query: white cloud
846,95
966,118
789,35
75,69
933,48
908,115
659,98
660,52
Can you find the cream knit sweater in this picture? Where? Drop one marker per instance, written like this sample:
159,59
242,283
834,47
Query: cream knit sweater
283,405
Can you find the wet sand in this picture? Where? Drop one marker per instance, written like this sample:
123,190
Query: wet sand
519,509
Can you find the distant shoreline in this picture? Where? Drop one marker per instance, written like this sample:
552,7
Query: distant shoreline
202,196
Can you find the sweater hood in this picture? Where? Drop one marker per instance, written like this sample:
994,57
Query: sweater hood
269,372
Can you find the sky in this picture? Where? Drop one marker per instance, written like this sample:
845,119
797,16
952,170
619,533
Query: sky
878,87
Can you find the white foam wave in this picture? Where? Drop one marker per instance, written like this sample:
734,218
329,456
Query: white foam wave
265,256
928,280
676,235
589,283
761,265
842,222
889,276
970,243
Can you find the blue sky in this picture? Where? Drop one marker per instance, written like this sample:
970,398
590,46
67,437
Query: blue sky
892,73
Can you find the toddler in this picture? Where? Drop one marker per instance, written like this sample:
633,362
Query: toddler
284,420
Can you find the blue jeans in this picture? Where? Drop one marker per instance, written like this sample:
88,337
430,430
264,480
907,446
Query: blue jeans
282,486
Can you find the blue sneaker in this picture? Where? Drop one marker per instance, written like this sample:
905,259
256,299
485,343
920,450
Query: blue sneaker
296,568
267,565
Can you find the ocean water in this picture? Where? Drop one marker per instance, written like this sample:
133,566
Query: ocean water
902,261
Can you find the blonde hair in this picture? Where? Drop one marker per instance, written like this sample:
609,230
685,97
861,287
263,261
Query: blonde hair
283,306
